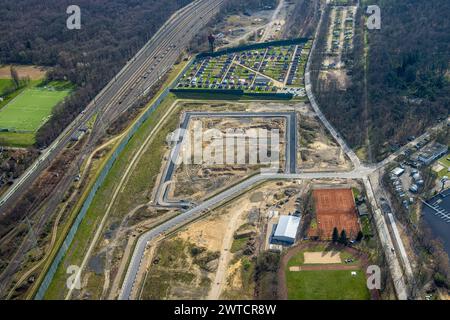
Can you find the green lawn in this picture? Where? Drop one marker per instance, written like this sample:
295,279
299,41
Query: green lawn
366,228
31,109
5,84
446,163
327,285
25,110
17,139
239,244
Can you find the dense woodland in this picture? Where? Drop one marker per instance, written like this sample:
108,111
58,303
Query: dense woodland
34,32
408,79
303,20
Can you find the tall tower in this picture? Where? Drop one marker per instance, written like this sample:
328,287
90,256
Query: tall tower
211,40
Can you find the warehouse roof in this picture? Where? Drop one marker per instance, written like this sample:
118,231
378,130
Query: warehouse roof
287,227
398,171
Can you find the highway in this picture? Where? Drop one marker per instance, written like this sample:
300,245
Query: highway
135,79
132,82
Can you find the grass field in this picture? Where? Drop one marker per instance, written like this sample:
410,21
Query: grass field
325,284
5,84
446,163
26,112
31,109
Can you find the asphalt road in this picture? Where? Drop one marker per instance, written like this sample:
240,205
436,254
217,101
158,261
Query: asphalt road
203,208
359,172
133,81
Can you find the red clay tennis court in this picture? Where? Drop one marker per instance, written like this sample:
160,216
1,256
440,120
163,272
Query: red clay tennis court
336,208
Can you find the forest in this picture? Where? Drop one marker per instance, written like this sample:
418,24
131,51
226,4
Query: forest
408,70
112,31
408,78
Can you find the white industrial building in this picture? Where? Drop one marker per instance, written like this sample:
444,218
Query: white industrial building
286,230
398,171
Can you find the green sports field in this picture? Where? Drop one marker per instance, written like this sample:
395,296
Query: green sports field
326,284
28,111
22,116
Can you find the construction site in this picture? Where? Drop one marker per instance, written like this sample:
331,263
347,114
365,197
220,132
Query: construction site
217,256
229,183
195,181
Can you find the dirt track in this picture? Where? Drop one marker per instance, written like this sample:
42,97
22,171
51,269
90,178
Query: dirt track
33,72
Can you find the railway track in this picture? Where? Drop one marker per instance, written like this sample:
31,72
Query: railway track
137,76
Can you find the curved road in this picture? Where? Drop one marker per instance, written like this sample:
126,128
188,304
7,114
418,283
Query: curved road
359,172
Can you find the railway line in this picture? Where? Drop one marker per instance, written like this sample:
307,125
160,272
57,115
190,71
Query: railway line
133,81
359,171
122,88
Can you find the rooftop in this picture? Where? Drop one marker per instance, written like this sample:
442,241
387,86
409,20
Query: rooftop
432,150
287,227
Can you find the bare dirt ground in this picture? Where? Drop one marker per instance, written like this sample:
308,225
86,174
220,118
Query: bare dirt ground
220,277
232,275
239,29
269,196
33,72
322,257
194,182
259,26
318,151
215,234
209,232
